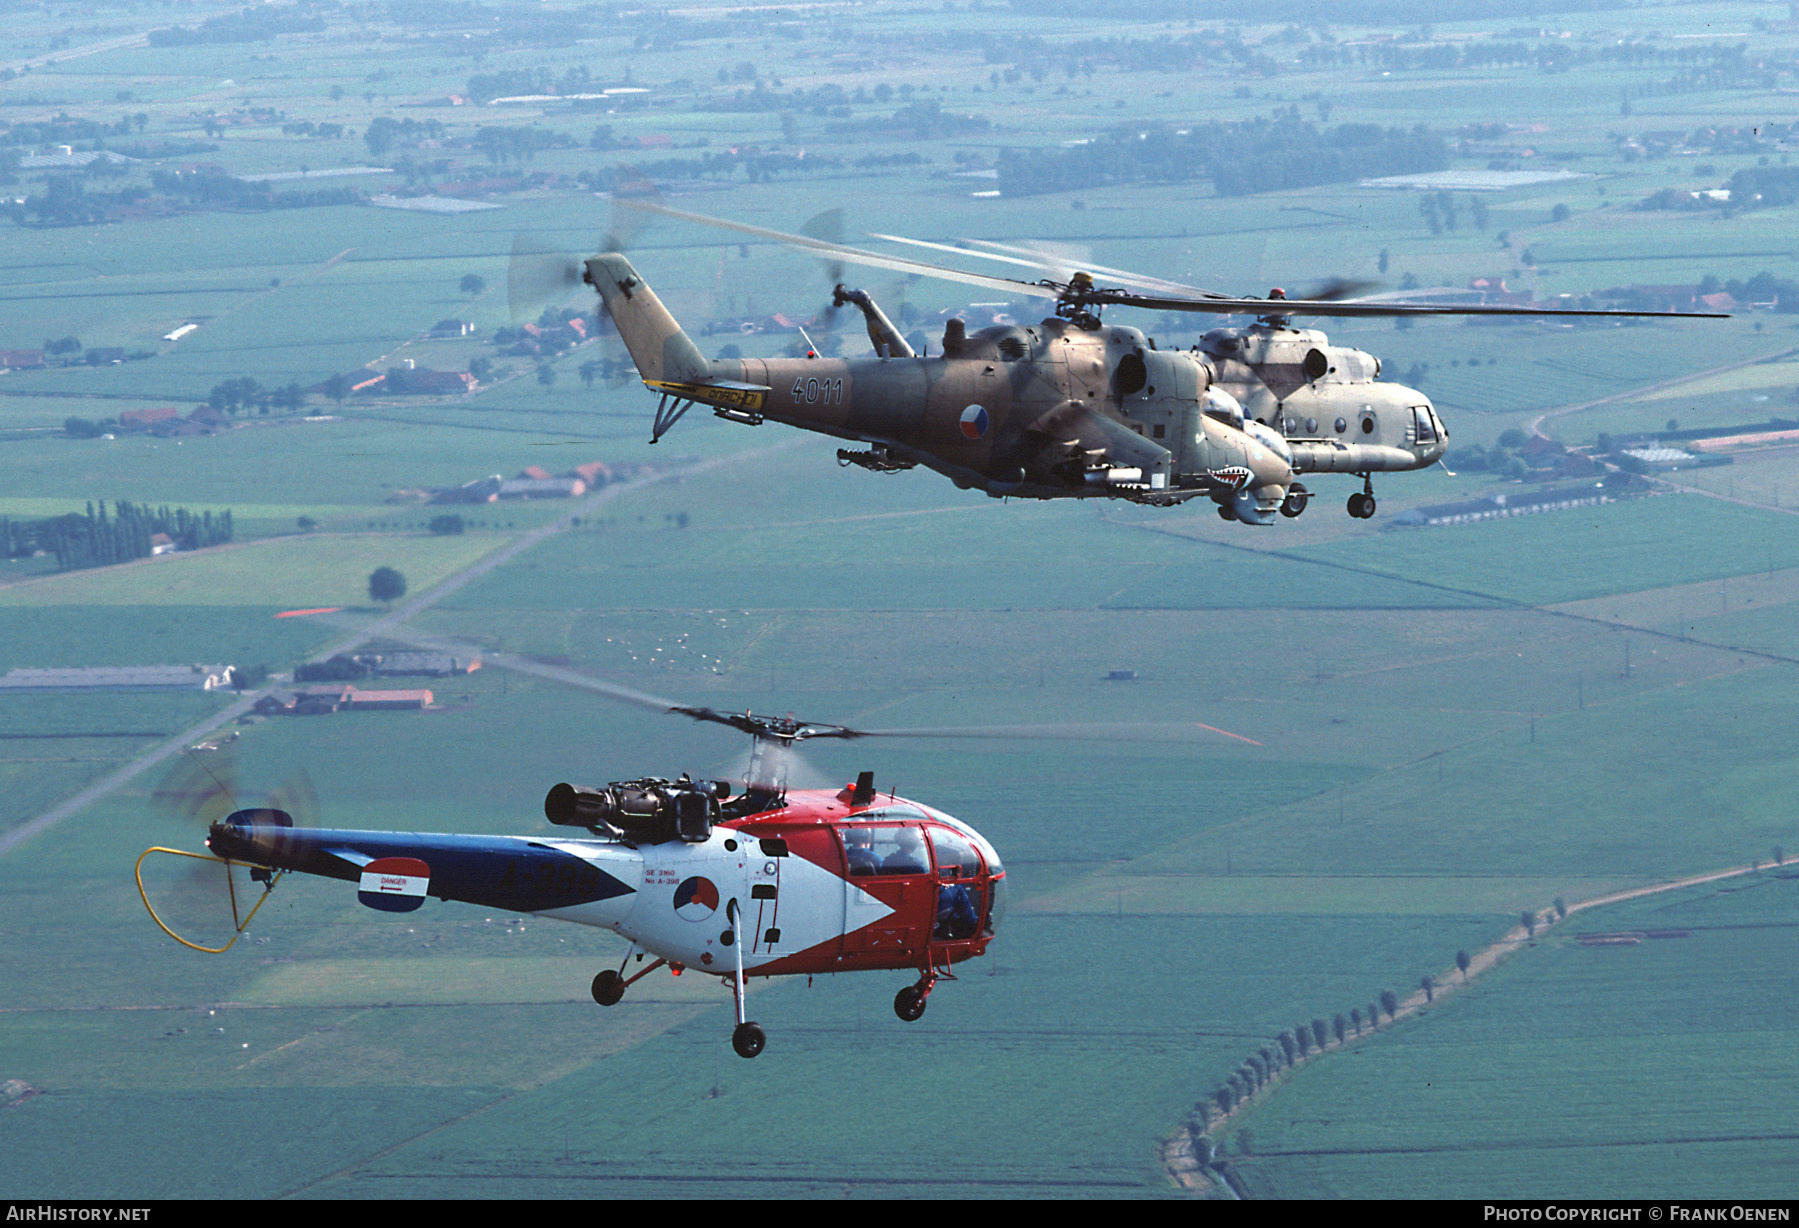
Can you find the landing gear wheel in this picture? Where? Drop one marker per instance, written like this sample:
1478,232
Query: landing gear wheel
1295,502
749,1039
608,988
1225,512
1361,506
909,1003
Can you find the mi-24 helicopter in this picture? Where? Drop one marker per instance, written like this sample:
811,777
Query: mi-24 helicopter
706,877
1071,407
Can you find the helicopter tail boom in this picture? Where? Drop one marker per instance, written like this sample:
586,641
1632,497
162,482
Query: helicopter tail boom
586,881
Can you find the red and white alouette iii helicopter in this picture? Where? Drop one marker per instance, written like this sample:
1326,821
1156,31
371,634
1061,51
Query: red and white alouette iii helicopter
769,882
1070,408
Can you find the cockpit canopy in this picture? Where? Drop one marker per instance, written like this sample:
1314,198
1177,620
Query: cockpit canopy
970,882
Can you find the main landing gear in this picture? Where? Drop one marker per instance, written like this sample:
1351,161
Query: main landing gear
749,1039
1361,504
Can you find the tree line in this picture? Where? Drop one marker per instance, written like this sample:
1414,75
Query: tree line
1265,154
249,26
97,539
1290,1048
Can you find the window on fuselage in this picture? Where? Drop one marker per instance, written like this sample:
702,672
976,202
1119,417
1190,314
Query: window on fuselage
876,851
956,857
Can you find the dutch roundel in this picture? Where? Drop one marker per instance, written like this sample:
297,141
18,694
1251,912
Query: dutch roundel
975,421
696,899
394,884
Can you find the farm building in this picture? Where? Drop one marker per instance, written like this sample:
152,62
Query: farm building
542,488
481,490
1662,457
146,419
424,664
119,678
390,701
1523,503
319,701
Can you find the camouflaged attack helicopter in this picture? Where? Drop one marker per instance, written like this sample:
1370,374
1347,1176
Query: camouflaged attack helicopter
1072,407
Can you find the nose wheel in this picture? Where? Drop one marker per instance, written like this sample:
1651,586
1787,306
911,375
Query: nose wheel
909,1003
1295,502
1361,504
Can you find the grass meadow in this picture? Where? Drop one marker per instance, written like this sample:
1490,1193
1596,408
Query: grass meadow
1587,1071
1348,750
1207,893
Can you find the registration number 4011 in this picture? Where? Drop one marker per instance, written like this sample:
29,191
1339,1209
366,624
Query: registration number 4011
816,391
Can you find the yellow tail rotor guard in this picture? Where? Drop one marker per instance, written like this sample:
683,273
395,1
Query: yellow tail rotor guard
240,920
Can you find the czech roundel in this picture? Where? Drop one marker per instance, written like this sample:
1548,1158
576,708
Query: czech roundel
696,899
974,421
394,884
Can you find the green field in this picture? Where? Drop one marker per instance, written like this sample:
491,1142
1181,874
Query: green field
1349,750
1575,1071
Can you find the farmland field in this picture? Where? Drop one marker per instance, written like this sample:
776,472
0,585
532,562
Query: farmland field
1576,1071
1243,778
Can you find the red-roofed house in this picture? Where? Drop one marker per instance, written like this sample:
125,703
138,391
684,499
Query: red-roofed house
391,701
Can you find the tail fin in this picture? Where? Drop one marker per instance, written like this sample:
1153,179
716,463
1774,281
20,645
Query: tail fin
658,346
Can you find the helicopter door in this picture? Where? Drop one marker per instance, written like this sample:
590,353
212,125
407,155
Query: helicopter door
889,897
961,903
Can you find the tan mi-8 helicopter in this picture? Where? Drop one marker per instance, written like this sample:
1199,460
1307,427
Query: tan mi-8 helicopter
1071,407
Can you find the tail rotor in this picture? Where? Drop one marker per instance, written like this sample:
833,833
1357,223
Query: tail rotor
190,894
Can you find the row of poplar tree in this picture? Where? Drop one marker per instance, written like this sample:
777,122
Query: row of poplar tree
97,539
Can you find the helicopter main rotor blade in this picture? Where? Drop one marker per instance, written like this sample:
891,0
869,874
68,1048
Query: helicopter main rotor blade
1046,262
1095,731
787,729
504,660
1205,304
1330,291
1363,307
1039,264
856,255
778,728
